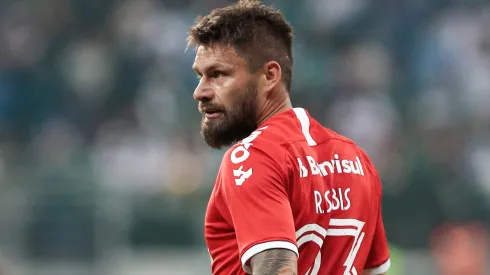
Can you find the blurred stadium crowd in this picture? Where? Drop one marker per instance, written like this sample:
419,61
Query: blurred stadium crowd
99,134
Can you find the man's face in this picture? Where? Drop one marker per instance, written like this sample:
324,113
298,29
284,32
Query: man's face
227,95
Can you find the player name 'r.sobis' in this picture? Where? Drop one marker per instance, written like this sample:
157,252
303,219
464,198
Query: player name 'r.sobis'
335,165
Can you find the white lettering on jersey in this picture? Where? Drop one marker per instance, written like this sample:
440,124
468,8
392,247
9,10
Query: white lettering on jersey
316,234
242,175
241,154
313,166
332,200
334,166
303,172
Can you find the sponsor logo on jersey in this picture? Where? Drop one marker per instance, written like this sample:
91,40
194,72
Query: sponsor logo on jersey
241,154
336,165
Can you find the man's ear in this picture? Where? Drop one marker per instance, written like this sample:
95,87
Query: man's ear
272,75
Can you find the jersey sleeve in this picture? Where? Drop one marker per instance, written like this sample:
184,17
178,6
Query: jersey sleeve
378,261
253,186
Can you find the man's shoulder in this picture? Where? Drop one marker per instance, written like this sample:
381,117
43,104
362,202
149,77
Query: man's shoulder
309,129
338,140
342,144
257,153
266,141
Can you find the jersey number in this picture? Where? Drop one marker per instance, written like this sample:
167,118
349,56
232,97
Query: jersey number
336,228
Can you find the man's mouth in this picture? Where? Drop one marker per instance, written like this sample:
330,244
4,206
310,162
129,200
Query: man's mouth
212,113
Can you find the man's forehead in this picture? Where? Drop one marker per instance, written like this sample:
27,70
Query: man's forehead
216,54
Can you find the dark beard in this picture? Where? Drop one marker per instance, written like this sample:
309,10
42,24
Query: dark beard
235,124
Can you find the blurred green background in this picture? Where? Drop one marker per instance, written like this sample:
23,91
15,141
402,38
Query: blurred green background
103,171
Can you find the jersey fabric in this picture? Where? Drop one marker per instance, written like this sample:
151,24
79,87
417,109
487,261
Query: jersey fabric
294,184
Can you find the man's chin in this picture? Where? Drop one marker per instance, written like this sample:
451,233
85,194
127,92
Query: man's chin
211,125
215,143
217,133
214,139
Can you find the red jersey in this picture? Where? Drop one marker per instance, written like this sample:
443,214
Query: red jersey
296,185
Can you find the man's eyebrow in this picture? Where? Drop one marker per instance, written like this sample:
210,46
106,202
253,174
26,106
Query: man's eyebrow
211,68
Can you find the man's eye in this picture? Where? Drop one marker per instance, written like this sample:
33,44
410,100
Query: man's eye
216,74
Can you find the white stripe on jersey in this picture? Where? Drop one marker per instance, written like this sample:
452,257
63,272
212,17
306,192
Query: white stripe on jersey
380,269
304,120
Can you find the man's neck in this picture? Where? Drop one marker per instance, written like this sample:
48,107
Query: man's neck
272,108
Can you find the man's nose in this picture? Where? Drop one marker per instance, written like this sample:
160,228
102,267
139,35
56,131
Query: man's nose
203,92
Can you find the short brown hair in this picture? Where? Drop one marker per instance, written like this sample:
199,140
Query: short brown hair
258,33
